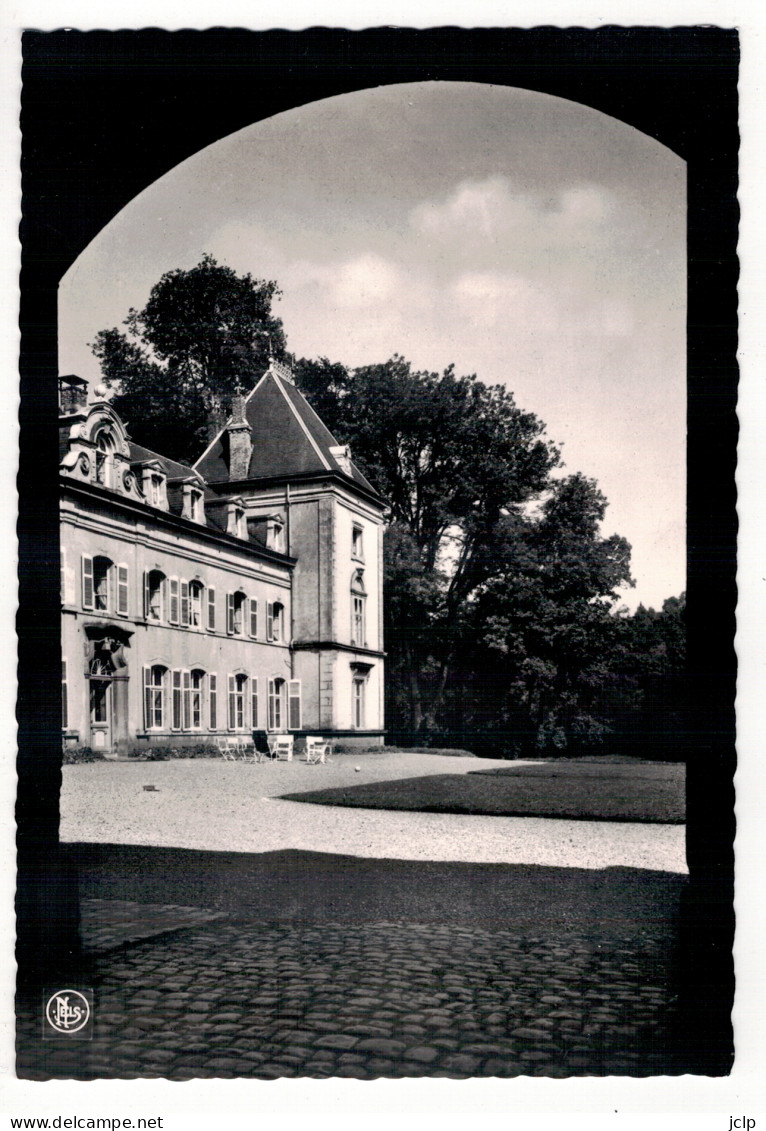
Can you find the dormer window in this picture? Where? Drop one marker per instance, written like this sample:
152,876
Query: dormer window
357,546
235,523
341,453
193,507
275,535
105,446
154,487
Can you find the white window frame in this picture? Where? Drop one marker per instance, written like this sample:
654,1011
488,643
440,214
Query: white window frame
277,704
357,542
237,704
275,622
196,603
150,697
196,697
359,703
102,584
159,591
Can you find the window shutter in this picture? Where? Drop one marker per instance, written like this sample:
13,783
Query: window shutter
187,701
185,603
176,700
173,612
211,610
254,702
147,596
87,582
295,705
122,590
147,698
269,621
230,613
232,702
213,684
253,617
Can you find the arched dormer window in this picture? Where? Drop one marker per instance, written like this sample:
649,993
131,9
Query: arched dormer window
105,448
358,610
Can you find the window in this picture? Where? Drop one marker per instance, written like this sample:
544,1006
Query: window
155,490
64,703
102,569
211,610
192,503
154,697
276,704
358,599
96,574
213,700
294,722
357,548
275,621
253,617
358,703
176,722
235,613
196,589
237,689
254,703
275,535
196,696
122,590
104,448
154,595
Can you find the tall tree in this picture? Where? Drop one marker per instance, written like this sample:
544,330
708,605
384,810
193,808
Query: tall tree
201,333
543,624
452,456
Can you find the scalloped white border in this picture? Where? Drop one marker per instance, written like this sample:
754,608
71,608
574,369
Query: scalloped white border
691,1102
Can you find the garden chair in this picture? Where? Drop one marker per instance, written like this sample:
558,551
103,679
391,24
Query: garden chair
228,750
281,746
317,750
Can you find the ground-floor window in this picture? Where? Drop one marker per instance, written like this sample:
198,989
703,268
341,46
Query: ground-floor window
213,700
64,697
277,690
237,689
195,698
358,703
154,697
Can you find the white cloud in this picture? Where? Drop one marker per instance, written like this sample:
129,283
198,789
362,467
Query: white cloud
496,211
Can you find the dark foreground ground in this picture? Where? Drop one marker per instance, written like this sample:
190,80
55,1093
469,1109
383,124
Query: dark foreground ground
304,964
596,790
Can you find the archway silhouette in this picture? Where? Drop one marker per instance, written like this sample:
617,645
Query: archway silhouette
105,114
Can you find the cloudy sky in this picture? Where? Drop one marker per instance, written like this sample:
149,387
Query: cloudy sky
527,239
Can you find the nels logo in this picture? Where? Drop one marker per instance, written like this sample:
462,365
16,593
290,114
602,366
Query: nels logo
67,1013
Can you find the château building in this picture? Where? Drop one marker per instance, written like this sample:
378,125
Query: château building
243,593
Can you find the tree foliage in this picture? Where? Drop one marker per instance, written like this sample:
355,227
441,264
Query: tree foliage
201,333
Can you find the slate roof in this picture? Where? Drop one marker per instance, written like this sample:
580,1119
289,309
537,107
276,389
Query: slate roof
288,438
172,469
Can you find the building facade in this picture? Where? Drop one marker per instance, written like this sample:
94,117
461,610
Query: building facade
241,594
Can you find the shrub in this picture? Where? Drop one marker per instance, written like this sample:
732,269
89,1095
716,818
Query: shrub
79,755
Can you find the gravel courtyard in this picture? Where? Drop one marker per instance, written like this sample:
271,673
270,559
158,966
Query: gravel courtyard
227,806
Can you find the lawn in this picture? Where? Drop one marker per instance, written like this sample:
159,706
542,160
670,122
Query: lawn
592,790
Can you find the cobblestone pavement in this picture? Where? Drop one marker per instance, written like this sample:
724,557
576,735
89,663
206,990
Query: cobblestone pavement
244,998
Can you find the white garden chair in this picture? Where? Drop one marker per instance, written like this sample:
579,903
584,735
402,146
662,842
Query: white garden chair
281,746
317,750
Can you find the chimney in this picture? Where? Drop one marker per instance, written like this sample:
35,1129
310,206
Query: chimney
240,443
